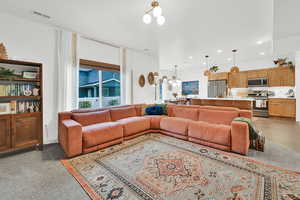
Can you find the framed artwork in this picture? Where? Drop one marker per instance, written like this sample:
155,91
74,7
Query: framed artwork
190,87
5,108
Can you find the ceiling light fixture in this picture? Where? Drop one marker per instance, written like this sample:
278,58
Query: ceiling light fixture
191,57
219,51
229,59
262,53
259,42
157,13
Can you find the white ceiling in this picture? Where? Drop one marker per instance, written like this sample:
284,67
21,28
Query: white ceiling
193,27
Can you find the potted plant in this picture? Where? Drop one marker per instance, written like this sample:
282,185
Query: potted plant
280,62
214,68
6,73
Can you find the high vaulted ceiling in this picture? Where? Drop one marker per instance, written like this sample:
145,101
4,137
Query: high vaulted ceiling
193,28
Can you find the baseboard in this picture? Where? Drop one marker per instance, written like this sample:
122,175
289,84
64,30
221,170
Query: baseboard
51,141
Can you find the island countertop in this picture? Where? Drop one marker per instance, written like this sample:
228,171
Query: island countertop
241,103
229,98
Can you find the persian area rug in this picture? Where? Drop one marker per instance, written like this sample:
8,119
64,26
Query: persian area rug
159,167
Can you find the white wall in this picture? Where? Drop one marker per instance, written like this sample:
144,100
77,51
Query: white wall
95,51
190,73
29,41
298,86
140,63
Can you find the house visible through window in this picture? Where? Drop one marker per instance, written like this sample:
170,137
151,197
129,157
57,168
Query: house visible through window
98,86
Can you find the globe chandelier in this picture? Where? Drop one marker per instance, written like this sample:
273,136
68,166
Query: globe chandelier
156,12
175,81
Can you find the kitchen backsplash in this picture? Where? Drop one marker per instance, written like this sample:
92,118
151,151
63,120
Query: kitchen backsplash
279,92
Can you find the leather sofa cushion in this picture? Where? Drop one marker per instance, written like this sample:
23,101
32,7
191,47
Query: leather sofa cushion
90,118
121,113
217,116
101,133
174,125
214,133
133,125
155,121
186,113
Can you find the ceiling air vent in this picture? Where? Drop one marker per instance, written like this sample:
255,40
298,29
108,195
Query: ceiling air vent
41,15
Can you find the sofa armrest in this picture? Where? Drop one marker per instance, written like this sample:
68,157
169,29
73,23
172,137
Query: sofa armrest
240,137
246,113
70,137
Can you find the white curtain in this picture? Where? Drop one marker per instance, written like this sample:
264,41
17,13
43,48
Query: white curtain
68,69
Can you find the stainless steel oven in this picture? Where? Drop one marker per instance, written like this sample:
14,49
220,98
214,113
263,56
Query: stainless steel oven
258,82
260,103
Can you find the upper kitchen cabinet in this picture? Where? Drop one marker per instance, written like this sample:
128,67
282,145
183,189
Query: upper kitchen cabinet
238,79
261,73
218,76
281,76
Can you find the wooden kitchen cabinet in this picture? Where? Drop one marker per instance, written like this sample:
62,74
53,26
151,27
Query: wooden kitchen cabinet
282,107
5,136
238,80
281,76
261,73
218,76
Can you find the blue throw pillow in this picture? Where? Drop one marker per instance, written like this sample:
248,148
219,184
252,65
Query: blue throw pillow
155,110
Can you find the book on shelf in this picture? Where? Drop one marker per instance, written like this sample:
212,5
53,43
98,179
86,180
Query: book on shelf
28,106
16,89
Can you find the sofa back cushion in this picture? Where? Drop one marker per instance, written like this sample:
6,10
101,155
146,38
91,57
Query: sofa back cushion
90,118
186,113
222,108
121,113
217,116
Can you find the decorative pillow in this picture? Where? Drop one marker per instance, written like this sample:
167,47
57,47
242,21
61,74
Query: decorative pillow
164,107
154,110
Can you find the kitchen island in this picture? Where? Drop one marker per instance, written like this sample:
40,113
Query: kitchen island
241,103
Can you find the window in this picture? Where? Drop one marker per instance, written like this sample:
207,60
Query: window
99,84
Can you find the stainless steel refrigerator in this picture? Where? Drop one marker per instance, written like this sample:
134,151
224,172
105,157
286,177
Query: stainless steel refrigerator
217,88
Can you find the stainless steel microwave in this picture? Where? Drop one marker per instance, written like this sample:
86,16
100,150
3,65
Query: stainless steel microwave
258,82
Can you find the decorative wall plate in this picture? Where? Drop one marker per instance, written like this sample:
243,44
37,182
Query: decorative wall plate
142,80
151,78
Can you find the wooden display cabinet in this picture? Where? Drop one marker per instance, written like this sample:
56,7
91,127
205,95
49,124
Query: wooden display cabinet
23,127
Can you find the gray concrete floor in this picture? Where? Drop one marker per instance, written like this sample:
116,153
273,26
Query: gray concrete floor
38,175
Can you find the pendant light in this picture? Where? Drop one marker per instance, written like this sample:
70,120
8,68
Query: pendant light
207,72
234,68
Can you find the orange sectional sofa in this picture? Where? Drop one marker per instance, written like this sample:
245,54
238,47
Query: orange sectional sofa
84,131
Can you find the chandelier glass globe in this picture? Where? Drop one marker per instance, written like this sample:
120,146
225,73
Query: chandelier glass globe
157,11
161,20
147,19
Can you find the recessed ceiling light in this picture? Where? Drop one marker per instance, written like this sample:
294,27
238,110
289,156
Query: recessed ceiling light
219,51
259,42
262,53
190,57
229,59
204,63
